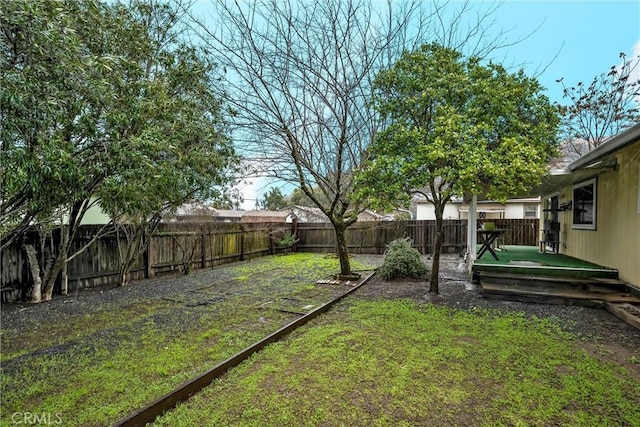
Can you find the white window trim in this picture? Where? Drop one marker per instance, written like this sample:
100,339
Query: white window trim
534,209
595,205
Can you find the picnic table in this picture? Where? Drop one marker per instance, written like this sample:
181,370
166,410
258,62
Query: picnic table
487,237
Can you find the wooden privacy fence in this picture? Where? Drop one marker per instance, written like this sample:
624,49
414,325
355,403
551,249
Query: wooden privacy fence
173,248
372,237
181,247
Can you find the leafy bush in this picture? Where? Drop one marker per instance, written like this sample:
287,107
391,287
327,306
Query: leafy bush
287,240
402,260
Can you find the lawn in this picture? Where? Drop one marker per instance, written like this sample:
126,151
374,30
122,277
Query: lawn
92,359
400,363
95,364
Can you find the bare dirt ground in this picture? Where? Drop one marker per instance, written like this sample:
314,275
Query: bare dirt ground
599,332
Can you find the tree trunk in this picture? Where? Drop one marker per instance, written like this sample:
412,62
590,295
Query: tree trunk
64,234
341,248
138,239
437,248
36,294
65,280
132,247
50,279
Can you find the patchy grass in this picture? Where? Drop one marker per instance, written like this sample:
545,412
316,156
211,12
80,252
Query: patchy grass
46,335
399,363
96,367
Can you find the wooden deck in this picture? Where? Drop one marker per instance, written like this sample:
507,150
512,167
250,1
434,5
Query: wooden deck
528,260
522,273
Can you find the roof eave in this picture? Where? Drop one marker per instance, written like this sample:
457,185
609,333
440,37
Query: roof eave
615,143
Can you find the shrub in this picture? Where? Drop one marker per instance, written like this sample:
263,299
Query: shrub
287,240
402,260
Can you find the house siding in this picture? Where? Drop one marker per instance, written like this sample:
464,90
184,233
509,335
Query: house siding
513,209
426,211
616,240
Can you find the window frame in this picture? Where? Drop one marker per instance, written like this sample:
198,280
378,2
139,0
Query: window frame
533,208
593,224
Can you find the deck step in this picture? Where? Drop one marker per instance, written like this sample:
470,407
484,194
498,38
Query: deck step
543,270
630,313
595,297
595,284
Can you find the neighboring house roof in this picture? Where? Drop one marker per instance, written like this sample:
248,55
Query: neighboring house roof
197,209
267,216
309,214
191,212
223,214
607,148
585,167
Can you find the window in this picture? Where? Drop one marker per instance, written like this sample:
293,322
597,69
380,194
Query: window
530,211
584,205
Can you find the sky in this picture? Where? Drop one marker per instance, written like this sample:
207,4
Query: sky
574,40
586,36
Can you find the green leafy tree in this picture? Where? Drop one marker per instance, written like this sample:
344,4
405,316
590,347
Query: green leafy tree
273,200
299,198
55,79
455,126
103,104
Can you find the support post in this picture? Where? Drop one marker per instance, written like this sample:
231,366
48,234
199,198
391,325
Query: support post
472,231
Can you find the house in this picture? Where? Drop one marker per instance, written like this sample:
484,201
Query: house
595,200
309,214
223,215
591,226
191,212
198,212
525,208
267,216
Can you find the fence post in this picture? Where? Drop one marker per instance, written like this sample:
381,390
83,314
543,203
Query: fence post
271,241
147,258
242,255
203,247
294,232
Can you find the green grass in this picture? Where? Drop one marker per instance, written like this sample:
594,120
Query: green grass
398,363
94,381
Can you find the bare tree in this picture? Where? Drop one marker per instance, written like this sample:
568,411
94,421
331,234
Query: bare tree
602,109
299,79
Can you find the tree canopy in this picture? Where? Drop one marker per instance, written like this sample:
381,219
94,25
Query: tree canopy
274,200
456,126
104,103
